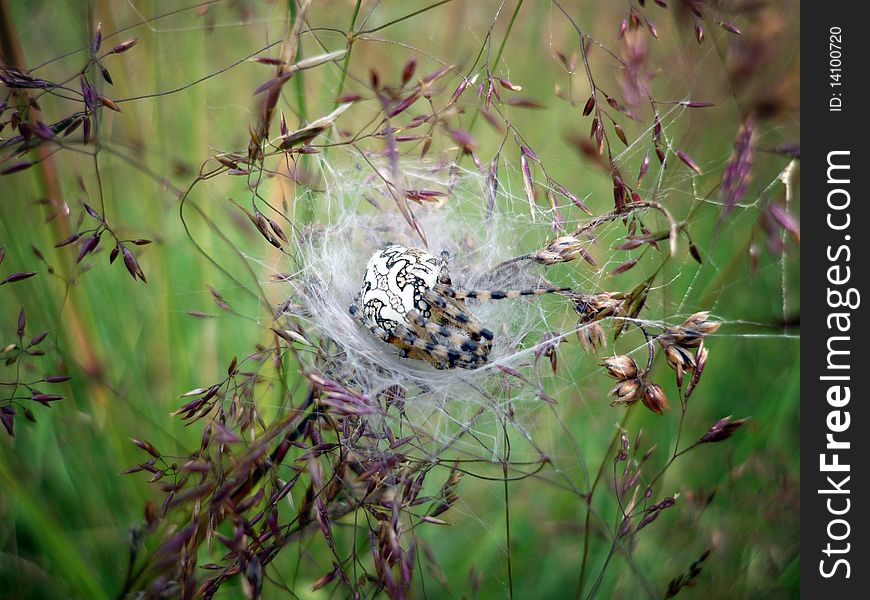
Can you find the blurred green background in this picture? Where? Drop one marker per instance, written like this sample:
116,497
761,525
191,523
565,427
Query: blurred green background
133,348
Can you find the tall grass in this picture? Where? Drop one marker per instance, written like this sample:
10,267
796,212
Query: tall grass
539,513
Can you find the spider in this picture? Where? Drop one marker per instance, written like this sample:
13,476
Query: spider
407,300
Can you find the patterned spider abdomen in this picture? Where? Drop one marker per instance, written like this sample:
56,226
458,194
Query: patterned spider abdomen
395,281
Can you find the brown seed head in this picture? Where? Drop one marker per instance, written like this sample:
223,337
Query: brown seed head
567,247
680,360
721,430
696,327
594,307
621,367
654,398
700,363
545,257
678,357
626,392
677,343
591,335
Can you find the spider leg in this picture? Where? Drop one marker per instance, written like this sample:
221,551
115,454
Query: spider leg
456,313
444,275
446,356
441,356
428,329
451,292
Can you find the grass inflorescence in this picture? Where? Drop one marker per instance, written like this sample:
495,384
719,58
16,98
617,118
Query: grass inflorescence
190,200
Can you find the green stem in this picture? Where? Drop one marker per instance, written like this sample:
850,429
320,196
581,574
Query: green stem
301,108
351,37
492,67
507,510
507,34
584,562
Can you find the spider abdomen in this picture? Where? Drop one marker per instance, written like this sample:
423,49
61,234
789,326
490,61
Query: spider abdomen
395,283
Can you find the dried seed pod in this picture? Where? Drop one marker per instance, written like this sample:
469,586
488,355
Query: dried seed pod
721,430
591,336
621,367
654,398
626,392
